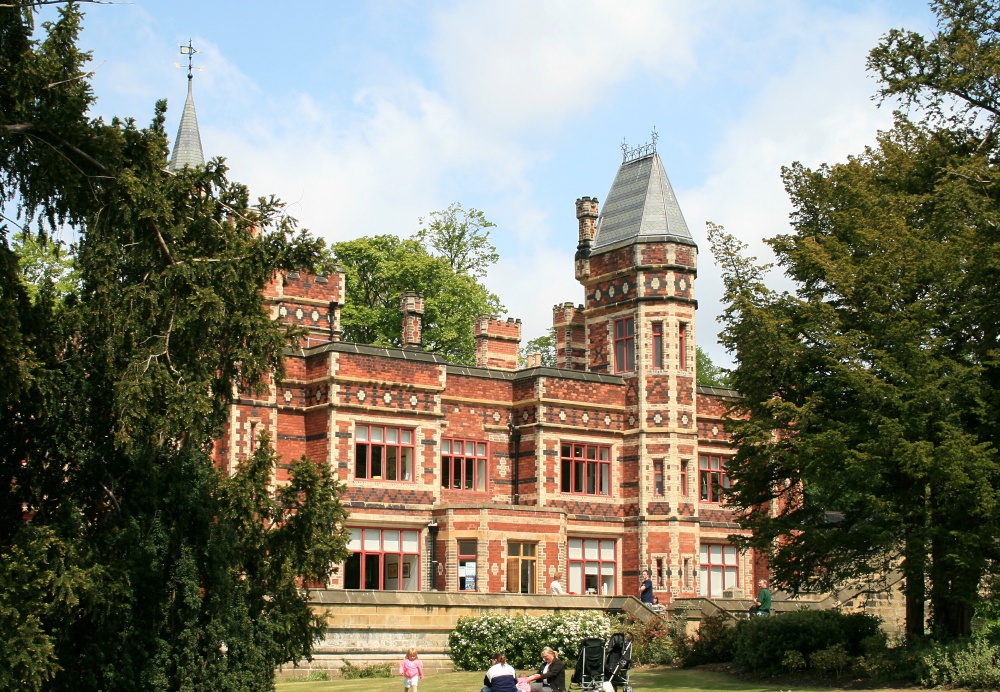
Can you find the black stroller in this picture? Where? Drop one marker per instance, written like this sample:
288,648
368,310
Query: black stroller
599,666
618,662
589,672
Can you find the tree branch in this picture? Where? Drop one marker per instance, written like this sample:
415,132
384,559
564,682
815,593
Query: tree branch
163,244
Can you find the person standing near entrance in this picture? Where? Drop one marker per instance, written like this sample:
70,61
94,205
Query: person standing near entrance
646,589
763,600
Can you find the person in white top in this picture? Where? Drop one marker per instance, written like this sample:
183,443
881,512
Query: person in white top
556,587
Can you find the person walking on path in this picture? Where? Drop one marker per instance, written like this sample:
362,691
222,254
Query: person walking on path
763,600
411,669
646,589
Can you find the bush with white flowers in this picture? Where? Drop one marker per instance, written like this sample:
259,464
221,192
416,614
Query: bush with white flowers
474,641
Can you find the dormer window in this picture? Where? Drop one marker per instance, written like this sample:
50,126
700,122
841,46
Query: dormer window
625,345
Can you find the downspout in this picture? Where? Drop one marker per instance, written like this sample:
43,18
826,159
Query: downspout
515,442
432,530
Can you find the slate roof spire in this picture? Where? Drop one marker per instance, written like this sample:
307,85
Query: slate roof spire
187,147
641,205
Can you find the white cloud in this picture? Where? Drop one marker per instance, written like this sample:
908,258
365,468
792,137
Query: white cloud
527,63
819,110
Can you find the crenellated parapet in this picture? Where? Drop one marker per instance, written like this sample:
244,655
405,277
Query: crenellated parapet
309,301
497,342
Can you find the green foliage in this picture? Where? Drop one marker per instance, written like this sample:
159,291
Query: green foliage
969,663
652,640
793,661
460,237
133,562
762,645
544,345
832,660
44,263
42,584
712,643
864,391
952,76
710,374
379,269
871,392
521,638
349,671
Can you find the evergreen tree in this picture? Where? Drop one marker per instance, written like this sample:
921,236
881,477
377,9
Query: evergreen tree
866,432
128,560
870,394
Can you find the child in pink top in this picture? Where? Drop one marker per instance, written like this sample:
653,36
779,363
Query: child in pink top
411,669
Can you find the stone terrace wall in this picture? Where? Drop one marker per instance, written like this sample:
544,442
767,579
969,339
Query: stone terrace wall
366,627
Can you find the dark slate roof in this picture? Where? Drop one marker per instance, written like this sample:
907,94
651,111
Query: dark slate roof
641,206
187,147
453,369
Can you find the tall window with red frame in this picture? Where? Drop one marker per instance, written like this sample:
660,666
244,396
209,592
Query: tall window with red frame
657,345
684,477
658,477
682,351
383,559
586,469
712,477
625,345
383,453
591,566
463,464
719,569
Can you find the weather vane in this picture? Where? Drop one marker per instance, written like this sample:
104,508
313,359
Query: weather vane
189,51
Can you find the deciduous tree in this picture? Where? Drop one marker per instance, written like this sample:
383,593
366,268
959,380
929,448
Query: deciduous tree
379,269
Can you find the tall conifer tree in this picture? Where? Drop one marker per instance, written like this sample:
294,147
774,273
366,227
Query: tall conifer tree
128,561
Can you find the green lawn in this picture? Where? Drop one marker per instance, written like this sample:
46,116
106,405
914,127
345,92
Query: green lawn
654,679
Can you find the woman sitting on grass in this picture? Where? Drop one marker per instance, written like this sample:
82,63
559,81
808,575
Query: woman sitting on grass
501,677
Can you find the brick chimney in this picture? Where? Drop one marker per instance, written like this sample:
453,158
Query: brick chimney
411,304
497,342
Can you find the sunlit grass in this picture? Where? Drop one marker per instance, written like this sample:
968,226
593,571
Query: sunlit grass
654,680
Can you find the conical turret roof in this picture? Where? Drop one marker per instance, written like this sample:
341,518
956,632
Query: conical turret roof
187,147
641,206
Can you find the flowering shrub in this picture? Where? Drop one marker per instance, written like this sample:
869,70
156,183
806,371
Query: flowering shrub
521,638
653,641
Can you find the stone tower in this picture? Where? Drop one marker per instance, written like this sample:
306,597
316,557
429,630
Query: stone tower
637,262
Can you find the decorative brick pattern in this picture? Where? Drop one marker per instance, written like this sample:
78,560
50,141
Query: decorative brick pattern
522,417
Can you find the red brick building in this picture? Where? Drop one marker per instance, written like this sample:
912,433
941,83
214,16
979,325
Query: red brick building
494,478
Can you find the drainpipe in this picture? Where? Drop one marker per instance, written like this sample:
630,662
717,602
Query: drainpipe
432,530
515,443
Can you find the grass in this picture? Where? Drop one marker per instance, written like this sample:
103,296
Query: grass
653,679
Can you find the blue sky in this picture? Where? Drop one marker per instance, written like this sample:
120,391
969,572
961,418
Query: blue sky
365,116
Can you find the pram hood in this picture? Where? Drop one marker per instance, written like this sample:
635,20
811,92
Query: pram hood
619,658
589,661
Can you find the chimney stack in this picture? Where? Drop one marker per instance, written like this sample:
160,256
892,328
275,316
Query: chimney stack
411,304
